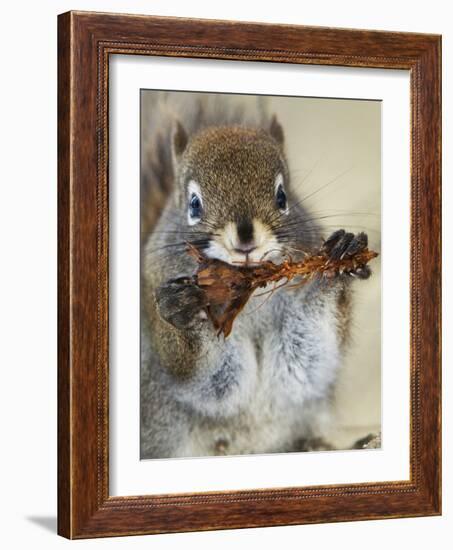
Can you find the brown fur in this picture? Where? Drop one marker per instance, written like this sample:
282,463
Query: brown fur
237,166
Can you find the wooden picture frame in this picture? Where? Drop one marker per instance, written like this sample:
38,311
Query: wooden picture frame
85,42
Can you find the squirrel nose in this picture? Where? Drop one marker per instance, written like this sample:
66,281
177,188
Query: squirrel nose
245,243
244,229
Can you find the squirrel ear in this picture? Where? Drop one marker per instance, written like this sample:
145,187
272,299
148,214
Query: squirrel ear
276,130
179,141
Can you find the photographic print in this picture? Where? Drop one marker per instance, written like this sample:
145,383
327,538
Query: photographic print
260,274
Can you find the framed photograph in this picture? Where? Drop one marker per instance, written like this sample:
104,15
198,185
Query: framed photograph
249,275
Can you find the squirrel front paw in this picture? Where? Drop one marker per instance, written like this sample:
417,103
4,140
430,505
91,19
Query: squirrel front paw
341,245
180,302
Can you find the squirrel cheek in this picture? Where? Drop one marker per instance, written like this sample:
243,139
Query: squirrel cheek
229,235
264,236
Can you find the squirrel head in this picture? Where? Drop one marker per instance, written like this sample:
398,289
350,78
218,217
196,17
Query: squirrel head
233,185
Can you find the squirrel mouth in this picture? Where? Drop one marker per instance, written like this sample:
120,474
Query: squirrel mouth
254,257
247,254
247,262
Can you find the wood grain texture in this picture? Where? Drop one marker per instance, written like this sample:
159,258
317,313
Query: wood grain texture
85,42
64,390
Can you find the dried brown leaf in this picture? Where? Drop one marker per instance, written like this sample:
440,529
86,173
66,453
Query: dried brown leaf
229,287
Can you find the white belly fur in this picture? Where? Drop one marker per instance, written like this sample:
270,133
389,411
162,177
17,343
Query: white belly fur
290,357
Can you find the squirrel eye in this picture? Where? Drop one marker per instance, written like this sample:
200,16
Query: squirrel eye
195,206
280,198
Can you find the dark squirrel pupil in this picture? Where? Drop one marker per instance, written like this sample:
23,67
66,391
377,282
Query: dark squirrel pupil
195,206
281,198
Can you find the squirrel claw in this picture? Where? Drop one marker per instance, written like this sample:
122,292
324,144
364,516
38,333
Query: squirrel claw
342,245
180,301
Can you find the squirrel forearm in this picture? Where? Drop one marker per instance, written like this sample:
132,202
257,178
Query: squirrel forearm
180,351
